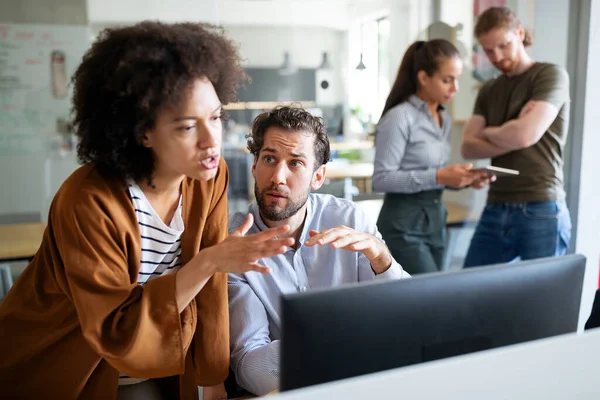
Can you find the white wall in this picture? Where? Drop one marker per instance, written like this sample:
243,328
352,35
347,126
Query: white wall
25,178
264,46
368,10
409,20
456,13
453,13
586,142
550,32
329,13
72,12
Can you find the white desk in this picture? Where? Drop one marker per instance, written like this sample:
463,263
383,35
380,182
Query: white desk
352,170
347,172
561,368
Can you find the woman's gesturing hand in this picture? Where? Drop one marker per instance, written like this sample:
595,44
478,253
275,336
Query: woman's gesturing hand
239,253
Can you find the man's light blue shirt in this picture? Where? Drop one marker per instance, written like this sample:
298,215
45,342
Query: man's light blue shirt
254,312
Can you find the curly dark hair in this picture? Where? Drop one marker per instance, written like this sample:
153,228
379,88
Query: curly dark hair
130,74
290,119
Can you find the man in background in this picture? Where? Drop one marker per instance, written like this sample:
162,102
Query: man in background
334,242
520,121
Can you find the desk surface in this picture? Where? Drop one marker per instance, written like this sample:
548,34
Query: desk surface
563,367
352,145
20,241
353,170
458,213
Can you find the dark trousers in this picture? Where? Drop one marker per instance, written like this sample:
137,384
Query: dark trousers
414,229
166,388
594,319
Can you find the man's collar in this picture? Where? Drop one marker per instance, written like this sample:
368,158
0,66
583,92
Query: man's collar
304,236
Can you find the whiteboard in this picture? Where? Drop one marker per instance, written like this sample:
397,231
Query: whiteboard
36,65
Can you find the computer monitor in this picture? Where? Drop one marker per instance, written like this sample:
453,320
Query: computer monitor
363,328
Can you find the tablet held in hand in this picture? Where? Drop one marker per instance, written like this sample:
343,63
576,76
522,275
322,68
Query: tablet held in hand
498,171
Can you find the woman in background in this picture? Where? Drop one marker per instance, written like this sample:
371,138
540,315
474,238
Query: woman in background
412,150
127,296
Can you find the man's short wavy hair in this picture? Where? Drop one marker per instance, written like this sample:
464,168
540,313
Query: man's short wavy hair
293,119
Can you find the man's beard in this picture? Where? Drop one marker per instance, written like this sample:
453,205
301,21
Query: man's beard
271,212
507,67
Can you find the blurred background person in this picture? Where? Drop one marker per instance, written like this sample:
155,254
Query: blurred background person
520,121
412,150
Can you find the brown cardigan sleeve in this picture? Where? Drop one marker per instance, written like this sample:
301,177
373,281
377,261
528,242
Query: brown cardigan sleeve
211,353
138,330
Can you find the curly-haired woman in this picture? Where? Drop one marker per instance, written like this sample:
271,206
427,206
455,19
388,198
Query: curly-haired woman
126,297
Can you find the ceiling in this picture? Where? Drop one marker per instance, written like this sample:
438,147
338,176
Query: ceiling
334,14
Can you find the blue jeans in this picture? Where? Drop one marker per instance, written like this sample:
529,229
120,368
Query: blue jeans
509,231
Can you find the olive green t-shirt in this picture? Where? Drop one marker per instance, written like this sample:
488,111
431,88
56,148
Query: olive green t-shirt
541,165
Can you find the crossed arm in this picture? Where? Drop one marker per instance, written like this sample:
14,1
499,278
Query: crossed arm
485,142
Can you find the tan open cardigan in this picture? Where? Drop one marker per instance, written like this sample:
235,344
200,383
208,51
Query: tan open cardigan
77,317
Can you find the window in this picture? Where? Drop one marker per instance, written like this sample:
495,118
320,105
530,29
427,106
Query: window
368,88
